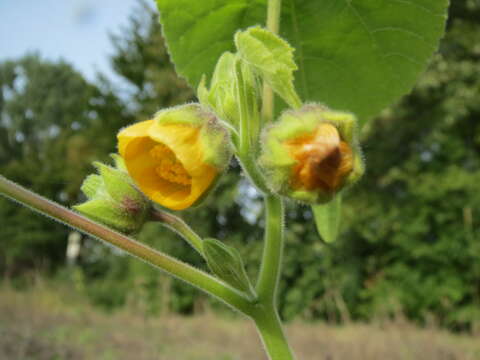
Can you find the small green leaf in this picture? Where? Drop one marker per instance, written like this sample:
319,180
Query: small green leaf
225,262
328,217
272,59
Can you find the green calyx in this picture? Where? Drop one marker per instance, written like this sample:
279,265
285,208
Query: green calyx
113,199
234,96
221,95
213,136
302,163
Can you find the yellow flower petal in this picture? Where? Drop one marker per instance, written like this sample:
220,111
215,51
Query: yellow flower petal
184,150
132,132
184,141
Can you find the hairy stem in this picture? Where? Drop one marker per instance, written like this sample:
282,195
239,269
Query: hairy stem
266,315
179,226
273,338
172,266
272,253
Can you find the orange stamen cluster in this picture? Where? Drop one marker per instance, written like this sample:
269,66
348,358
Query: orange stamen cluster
169,167
324,160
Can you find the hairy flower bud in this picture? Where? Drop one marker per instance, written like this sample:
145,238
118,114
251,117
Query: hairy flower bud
176,157
114,200
310,154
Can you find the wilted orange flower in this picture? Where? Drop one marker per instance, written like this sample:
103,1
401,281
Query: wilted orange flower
166,160
311,154
323,159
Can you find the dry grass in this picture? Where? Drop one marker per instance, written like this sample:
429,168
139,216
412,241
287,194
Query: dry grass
47,325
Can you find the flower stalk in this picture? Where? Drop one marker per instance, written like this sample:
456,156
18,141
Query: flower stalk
179,226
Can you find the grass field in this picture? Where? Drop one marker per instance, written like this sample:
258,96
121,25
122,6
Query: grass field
44,324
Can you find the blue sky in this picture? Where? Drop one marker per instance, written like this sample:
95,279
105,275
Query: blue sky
74,30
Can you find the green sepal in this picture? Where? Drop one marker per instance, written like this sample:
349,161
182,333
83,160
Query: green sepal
225,262
109,213
272,58
217,150
119,162
188,114
114,200
118,183
327,218
223,95
214,136
92,186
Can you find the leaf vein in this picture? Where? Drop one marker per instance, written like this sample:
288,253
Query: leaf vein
299,50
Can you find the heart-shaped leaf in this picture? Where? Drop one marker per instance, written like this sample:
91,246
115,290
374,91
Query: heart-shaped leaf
354,55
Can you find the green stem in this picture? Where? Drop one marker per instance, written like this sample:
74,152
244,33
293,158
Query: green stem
266,315
180,227
273,24
272,253
270,329
172,266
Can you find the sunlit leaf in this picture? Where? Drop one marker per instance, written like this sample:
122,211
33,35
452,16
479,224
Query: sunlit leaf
355,55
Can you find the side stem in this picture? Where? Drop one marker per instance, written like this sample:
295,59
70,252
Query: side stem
179,226
172,266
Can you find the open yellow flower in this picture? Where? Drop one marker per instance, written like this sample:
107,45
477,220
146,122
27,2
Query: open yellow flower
169,157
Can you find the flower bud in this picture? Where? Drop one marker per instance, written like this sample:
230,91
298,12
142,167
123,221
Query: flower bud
114,200
176,157
310,154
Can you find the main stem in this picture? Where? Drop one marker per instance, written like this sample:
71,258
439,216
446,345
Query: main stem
266,317
273,338
266,314
172,266
272,253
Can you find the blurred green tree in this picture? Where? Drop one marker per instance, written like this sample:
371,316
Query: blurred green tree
50,121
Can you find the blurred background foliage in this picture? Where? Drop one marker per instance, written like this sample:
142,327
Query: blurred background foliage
410,241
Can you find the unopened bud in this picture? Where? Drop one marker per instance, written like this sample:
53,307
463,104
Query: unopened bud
114,200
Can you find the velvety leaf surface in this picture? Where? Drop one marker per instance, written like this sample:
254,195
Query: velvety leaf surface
355,55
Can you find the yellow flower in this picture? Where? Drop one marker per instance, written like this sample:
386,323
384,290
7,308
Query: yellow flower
169,157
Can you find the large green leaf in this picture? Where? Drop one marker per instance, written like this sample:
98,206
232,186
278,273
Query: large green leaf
355,55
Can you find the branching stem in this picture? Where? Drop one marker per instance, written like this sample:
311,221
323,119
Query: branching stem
172,266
